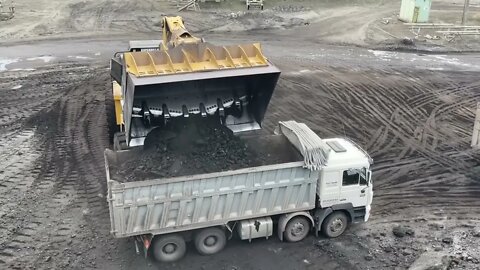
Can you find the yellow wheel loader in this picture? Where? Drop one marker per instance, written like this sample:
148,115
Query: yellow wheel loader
156,82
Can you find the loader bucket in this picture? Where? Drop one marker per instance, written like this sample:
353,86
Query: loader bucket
233,83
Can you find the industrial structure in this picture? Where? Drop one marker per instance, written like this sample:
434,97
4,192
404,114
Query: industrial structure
415,11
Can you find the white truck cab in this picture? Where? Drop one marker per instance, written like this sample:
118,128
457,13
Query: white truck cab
345,183
347,177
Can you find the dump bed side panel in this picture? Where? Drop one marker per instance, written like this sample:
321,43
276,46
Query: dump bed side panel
161,206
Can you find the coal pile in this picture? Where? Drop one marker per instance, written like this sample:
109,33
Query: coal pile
186,148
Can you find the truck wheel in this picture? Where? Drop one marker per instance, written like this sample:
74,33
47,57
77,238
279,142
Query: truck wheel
297,229
335,224
169,248
111,120
210,241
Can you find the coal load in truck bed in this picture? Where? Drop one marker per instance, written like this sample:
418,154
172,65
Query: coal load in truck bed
196,147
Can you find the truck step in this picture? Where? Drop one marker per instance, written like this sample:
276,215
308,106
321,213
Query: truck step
359,214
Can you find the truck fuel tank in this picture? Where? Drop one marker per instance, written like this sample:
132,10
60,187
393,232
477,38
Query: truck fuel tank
255,228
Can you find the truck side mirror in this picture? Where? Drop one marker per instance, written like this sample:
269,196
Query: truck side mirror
369,177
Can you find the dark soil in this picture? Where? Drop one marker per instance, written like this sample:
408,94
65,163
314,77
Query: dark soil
413,113
196,146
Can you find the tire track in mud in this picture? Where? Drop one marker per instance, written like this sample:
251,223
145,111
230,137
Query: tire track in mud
446,163
68,187
419,139
421,152
17,105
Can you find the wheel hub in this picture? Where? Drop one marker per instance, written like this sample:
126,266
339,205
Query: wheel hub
210,241
297,229
336,225
169,248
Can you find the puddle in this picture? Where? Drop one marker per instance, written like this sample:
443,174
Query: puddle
383,53
79,57
44,58
23,69
5,61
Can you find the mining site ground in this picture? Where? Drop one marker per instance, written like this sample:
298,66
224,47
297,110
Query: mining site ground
412,112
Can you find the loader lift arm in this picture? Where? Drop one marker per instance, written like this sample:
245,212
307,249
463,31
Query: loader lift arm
175,33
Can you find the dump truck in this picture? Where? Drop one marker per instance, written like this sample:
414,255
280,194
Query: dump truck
307,185
322,185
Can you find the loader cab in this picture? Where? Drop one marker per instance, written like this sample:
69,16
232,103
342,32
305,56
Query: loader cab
346,179
144,45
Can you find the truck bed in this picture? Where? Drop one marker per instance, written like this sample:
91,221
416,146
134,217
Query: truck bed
129,166
279,184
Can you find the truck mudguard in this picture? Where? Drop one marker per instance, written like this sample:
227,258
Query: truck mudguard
283,220
322,213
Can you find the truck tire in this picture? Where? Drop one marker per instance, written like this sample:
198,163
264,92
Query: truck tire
110,115
297,229
169,248
210,241
335,224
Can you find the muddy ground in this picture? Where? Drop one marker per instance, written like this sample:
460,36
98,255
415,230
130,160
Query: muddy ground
413,113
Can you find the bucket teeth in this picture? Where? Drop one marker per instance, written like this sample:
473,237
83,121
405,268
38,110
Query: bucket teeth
146,114
237,101
166,113
221,109
203,111
185,111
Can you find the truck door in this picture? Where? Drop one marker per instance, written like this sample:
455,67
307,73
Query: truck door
354,187
329,189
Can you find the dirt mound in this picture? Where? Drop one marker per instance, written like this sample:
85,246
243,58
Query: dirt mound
189,147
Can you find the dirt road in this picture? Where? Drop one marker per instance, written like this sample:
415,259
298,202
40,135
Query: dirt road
366,23
413,112
416,122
